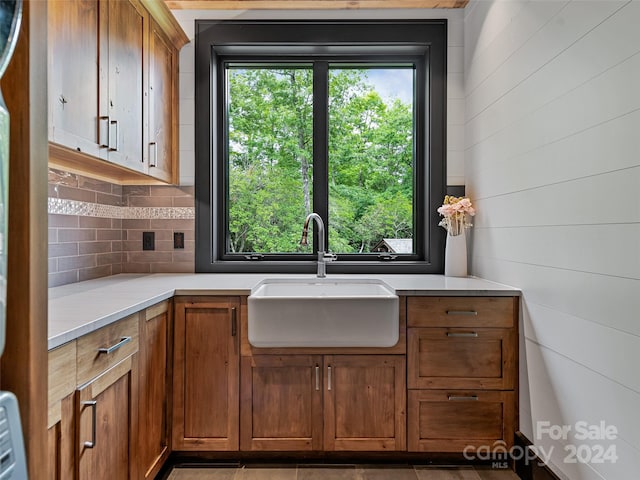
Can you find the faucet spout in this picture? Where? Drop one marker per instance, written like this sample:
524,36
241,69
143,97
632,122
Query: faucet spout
323,256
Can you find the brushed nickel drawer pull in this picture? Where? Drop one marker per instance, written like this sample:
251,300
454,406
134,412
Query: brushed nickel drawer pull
153,160
108,143
116,124
462,334
94,420
113,348
329,377
234,322
462,312
317,377
462,398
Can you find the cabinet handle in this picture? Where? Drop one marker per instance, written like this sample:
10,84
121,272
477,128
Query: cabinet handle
329,377
234,322
108,144
462,312
113,348
462,334
317,377
94,420
117,125
153,162
462,398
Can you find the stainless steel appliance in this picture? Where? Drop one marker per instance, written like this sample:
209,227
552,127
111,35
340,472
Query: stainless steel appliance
12,457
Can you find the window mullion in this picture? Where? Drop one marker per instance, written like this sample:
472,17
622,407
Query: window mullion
321,145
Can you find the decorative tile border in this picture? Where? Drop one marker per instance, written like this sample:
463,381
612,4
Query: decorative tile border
62,206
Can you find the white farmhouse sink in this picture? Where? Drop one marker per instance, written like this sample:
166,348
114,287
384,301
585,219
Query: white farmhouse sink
322,312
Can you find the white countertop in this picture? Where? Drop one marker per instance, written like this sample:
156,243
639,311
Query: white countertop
80,308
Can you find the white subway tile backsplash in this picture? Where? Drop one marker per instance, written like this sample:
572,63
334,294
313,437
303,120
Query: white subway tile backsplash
187,112
187,58
187,85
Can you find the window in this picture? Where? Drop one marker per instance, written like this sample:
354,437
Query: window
345,119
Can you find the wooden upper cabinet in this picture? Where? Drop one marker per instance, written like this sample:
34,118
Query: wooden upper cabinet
163,101
127,41
206,374
74,30
113,103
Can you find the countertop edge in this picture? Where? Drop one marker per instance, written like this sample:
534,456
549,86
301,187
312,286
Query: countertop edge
154,293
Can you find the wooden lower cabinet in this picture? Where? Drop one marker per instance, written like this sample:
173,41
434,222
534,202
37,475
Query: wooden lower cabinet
154,374
106,411
331,402
364,405
206,374
452,420
281,403
462,373
60,442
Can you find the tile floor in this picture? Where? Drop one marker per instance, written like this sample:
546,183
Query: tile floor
339,472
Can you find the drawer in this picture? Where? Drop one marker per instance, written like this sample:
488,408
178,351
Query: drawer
452,420
461,358
61,379
462,311
102,349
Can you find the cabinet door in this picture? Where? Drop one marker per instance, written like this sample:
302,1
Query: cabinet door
452,420
154,393
162,104
127,40
281,403
365,402
74,86
206,379
106,412
60,442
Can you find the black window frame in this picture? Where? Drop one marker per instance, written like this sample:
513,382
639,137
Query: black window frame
218,43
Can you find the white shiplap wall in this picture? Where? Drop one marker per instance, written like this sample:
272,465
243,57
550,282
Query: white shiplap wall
552,161
455,86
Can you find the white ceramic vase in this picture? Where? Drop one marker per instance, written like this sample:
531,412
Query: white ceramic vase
455,255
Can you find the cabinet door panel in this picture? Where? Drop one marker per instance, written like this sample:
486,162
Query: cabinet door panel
60,442
281,402
365,402
154,441
74,30
114,452
162,102
128,24
206,402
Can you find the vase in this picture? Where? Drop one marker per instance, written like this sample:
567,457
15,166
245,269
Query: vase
455,255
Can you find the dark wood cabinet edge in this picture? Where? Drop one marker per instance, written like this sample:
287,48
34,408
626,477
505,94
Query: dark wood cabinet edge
528,469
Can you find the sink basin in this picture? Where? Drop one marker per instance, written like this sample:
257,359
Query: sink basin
323,313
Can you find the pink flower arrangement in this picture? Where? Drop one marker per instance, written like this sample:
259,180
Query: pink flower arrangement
456,212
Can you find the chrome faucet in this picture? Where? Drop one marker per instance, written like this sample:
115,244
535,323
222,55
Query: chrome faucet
323,257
